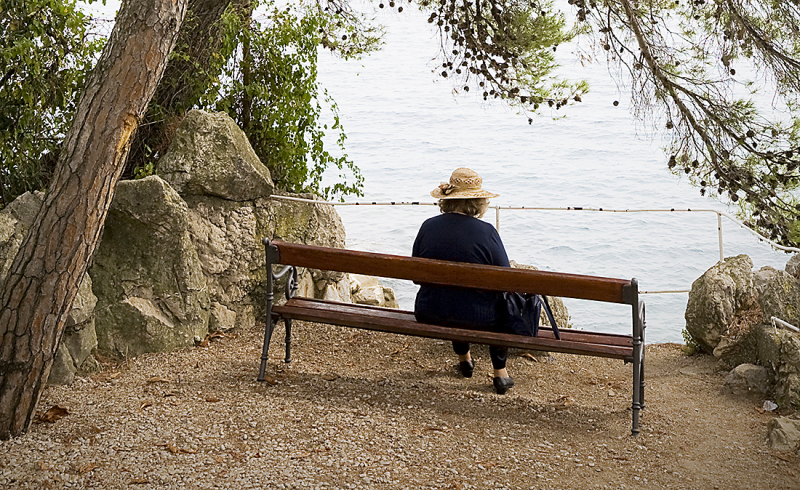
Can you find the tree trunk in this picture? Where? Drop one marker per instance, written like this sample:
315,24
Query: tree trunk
44,277
186,77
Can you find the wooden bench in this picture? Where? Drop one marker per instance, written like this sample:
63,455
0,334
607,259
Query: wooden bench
629,348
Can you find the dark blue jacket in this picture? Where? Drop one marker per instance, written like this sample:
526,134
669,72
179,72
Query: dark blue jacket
459,238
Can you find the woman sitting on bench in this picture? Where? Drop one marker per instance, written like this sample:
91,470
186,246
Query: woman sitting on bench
459,235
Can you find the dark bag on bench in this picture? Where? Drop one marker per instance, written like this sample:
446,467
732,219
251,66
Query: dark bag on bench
523,311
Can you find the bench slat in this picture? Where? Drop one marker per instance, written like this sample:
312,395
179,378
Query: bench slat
408,316
429,271
358,319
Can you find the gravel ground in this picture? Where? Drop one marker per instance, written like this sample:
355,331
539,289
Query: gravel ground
360,409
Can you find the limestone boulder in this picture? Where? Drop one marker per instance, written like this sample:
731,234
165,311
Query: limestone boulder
312,224
221,318
210,156
792,267
779,350
735,350
747,379
227,236
151,291
783,434
74,355
367,290
716,298
15,221
79,340
778,294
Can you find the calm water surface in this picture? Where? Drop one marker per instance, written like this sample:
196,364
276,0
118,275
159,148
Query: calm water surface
407,131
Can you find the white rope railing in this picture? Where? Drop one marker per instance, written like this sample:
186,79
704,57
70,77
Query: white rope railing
497,209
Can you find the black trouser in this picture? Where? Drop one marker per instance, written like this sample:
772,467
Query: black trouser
498,353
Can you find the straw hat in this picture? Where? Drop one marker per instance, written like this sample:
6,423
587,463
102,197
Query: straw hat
464,184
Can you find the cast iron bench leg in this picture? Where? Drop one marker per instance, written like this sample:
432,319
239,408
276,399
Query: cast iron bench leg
288,323
265,349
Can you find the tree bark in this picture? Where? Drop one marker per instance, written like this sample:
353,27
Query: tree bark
44,277
186,77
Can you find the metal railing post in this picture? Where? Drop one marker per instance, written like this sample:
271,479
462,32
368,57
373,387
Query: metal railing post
719,232
497,218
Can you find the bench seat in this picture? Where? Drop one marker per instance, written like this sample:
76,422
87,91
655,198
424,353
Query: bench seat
403,322
629,348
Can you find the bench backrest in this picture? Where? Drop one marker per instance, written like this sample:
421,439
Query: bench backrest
429,271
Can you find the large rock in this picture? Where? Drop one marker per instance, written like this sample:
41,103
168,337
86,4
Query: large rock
227,190
792,267
778,294
15,221
367,290
783,434
210,156
715,299
779,350
747,379
733,351
227,236
74,355
151,292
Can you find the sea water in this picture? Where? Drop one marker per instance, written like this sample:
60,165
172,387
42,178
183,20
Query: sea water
407,131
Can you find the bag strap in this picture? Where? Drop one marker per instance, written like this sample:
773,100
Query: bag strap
550,317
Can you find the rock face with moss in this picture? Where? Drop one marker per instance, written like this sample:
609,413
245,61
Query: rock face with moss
74,355
226,188
210,156
716,297
151,292
181,252
729,312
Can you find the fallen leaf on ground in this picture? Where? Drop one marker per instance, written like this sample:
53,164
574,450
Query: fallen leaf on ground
270,380
212,399
401,349
330,376
54,413
210,337
530,356
87,468
172,448
563,402
438,429
145,405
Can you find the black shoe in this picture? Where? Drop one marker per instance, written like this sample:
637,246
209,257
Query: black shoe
501,385
466,368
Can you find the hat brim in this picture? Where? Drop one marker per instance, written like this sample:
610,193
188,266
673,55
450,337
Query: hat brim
478,194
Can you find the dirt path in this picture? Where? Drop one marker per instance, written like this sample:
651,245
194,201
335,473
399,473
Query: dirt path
369,410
